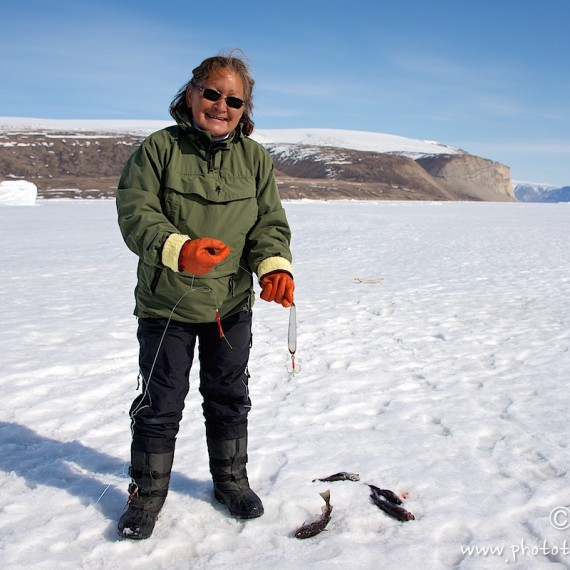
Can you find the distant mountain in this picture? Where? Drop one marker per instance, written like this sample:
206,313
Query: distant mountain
366,165
85,158
532,192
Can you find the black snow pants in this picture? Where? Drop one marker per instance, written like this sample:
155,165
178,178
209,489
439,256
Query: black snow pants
165,358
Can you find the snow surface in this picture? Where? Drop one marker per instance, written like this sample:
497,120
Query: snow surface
31,124
355,140
442,374
18,193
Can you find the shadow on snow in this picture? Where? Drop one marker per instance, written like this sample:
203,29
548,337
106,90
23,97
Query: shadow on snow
79,470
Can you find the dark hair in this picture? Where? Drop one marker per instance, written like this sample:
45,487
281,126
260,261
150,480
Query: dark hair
204,70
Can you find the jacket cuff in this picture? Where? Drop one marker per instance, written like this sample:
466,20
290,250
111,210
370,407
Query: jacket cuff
171,250
272,264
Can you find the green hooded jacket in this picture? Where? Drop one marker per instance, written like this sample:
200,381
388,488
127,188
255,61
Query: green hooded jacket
180,185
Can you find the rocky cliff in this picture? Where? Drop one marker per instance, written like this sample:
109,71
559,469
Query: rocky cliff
391,176
471,176
63,164
88,164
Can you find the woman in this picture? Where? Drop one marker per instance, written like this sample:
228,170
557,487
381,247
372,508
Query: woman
198,203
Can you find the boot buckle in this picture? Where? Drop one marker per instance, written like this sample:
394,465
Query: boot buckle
133,491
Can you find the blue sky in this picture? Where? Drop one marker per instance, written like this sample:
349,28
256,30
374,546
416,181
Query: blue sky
491,76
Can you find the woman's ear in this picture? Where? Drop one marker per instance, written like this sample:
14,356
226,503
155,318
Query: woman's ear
188,96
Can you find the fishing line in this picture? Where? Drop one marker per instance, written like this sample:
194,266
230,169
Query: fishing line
146,382
292,343
291,334
91,508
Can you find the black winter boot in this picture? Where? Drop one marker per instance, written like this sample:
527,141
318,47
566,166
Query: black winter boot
150,473
228,459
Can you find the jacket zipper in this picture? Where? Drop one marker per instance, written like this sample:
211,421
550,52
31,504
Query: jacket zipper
212,163
211,159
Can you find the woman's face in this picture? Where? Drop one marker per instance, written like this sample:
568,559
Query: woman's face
215,116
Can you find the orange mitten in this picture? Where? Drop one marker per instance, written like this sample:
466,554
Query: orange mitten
279,287
198,256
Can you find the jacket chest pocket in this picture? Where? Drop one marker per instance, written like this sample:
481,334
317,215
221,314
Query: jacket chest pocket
210,205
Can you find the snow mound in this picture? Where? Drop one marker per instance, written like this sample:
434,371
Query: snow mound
120,126
354,140
18,193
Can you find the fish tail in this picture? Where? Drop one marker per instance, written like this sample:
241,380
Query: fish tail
327,509
326,495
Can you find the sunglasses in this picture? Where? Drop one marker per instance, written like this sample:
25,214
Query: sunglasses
213,95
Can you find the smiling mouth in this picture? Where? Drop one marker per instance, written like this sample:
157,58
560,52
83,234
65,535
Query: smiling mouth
210,116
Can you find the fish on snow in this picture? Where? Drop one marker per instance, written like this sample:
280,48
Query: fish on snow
394,510
316,527
342,476
386,493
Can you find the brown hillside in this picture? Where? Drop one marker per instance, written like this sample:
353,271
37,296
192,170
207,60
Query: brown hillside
89,165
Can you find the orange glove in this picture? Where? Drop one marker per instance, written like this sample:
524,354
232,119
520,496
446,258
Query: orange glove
198,256
278,287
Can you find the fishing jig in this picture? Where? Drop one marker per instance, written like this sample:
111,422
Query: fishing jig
292,339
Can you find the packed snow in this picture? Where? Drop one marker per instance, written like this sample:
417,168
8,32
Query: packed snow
355,140
434,344
18,193
31,125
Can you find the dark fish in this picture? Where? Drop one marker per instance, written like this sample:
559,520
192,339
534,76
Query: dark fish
314,528
395,511
390,495
342,476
